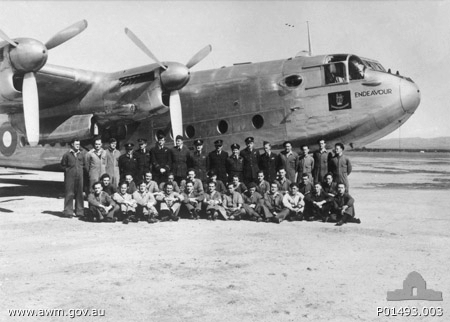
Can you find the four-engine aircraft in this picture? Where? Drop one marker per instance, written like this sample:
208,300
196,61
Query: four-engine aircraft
338,97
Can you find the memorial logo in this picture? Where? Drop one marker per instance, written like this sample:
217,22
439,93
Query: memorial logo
414,288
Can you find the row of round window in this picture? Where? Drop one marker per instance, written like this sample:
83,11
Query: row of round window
222,127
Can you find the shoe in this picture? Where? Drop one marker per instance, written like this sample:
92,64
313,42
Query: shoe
339,223
125,221
152,220
259,219
70,216
191,217
357,221
253,218
134,219
209,217
231,217
237,218
326,219
276,220
174,218
215,216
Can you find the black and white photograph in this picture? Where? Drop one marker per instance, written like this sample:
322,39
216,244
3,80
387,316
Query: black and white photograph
236,161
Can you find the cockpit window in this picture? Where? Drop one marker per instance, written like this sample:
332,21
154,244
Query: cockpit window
335,73
374,65
356,68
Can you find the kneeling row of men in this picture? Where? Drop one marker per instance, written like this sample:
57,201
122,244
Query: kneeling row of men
148,203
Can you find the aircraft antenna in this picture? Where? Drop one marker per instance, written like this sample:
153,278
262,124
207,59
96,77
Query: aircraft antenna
309,39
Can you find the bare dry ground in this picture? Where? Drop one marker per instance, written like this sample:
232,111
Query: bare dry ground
230,271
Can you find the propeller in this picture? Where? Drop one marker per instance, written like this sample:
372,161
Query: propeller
174,77
27,56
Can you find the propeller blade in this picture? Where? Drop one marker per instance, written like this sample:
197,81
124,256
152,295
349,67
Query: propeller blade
176,117
31,108
144,48
199,56
6,38
66,34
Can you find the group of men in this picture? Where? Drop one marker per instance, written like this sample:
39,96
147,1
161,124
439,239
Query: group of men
162,184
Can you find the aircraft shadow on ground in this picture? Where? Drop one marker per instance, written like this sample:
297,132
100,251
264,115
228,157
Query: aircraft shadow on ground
54,213
36,188
8,210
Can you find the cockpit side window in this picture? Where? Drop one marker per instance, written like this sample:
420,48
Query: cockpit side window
356,68
335,73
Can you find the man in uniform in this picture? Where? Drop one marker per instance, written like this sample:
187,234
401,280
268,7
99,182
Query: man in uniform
212,177
192,201
161,160
268,162
305,186
294,205
126,204
251,161
199,161
152,186
96,162
143,159
131,184
305,164
252,203
213,202
180,158
329,186
145,209
343,208
262,186
283,182
317,204
112,162
169,203
191,177
272,204
238,186
232,203
101,205
128,163
235,163
72,163
288,160
321,158
340,166
107,187
171,180
217,161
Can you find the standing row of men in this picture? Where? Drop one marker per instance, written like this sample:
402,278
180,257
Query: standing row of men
162,162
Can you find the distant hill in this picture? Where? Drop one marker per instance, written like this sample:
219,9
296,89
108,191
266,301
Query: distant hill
440,143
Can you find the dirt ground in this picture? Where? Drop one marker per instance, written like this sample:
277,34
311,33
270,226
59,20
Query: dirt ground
231,271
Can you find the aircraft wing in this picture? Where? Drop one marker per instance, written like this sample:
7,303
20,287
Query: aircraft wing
56,85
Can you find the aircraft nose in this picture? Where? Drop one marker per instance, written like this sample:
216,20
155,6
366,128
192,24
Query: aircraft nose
409,95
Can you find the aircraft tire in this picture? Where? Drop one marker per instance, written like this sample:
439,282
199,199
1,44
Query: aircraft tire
8,139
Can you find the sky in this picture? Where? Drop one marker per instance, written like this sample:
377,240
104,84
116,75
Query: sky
412,37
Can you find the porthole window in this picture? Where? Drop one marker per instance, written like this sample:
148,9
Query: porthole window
222,127
257,121
293,81
189,132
